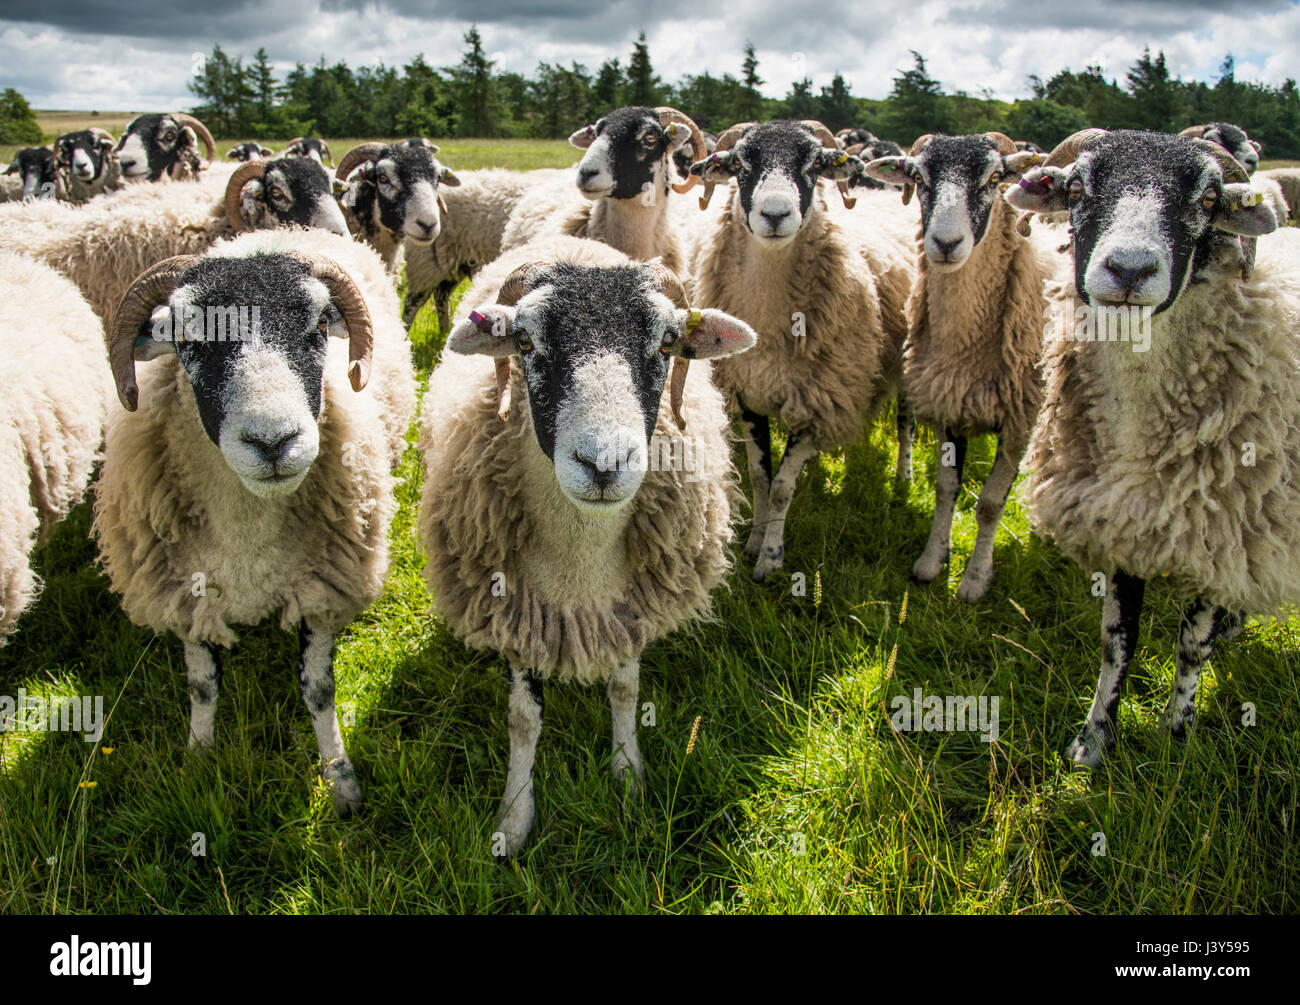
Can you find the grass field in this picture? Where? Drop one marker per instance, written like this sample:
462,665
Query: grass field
797,795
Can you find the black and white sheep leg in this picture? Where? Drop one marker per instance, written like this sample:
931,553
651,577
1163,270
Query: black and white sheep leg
906,425
947,484
988,514
1203,624
758,451
1119,635
518,807
316,681
798,452
623,688
203,670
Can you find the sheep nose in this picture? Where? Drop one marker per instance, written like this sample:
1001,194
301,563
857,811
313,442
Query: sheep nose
948,247
601,476
586,174
774,219
271,450
425,225
1130,271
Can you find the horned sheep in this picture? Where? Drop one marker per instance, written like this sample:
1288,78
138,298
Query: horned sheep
567,538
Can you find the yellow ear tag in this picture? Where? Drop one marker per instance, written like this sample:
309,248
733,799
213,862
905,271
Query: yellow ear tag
840,159
1248,200
692,321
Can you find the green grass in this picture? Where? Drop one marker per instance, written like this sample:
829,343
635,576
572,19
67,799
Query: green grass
797,794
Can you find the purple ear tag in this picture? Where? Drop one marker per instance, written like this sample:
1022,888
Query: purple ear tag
1044,184
483,324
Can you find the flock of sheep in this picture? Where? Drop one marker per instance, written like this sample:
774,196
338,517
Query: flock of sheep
579,491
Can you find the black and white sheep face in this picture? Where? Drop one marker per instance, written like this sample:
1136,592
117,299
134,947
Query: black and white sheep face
153,145
595,345
317,149
35,165
957,178
292,191
777,167
84,153
245,152
1146,212
398,191
1234,140
627,154
253,336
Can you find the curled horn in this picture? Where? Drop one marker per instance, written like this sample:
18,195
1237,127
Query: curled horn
200,130
1068,149
698,148
1194,131
1004,143
243,174
725,142
668,283
292,149
356,316
917,147
516,286
1233,169
829,141
361,152
103,134
149,289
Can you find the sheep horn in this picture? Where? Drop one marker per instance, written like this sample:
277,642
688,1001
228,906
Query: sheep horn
358,154
356,316
103,134
1194,131
699,150
1233,169
725,142
200,130
669,284
917,147
235,186
149,289
293,146
1005,144
829,141
516,286
1068,149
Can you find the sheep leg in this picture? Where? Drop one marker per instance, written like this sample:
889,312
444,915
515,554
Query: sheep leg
947,484
758,451
798,452
316,681
1119,635
906,423
517,806
988,513
203,671
415,299
623,686
1202,625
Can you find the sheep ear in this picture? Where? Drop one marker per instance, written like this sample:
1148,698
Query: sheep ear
156,337
678,134
584,137
1020,162
716,167
836,165
1259,149
710,333
251,204
891,170
485,332
1041,190
447,177
1243,211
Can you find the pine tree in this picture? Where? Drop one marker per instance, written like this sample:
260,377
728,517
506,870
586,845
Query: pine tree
607,92
642,84
916,104
472,80
750,106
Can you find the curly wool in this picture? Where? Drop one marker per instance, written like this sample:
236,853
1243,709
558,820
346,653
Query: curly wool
1139,460
971,359
851,288
193,552
582,593
51,416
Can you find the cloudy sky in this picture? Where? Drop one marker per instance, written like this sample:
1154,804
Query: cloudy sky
132,55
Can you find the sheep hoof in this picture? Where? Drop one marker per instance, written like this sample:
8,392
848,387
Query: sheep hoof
766,565
926,569
347,793
972,588
513,827
1178,725
754,546
629,773
1088,749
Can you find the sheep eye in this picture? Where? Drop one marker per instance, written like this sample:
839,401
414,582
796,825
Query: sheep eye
1074,192
276,193
995,178
1209,198
525,343
649,139
385,180
323,322
169,135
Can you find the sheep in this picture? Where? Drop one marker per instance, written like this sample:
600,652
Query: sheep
1283,182
317,150
548,540
682,160
85,165
248,474
1232,138
625,177
829,300
473,225
970,363
1181,459
33,169
866,146
102,245
392,193
163,146
51,416
243,152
